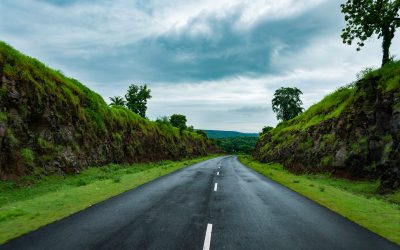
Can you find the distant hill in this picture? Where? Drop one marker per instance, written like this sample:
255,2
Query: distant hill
228,134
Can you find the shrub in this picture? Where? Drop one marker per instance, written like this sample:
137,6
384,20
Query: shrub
3,93
364,73
163,120
202,133
27,156
80,183
266,129
327,161
178,121
3,117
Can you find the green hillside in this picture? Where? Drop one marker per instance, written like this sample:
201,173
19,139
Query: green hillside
353,132
50,123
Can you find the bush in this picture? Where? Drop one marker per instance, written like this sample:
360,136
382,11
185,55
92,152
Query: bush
178,121
117,179
202,133
163,120
364,73
27,156
266,129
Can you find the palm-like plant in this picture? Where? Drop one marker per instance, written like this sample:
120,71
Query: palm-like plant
117,101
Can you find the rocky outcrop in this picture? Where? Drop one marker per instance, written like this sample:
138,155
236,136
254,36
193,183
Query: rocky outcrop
361,141
53,124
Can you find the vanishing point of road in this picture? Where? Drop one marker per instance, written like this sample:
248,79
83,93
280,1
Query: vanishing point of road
216,204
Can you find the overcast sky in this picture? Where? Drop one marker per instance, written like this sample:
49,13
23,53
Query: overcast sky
216,61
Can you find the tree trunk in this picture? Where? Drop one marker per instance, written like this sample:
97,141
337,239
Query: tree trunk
388,34
386,56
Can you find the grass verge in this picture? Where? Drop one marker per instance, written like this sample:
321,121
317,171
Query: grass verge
33,203
355,200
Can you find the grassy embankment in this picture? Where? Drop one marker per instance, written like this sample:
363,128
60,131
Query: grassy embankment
310,142
333,105
34,203
355,200
55,124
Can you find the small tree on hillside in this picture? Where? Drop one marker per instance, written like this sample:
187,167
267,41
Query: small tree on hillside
178,121
287,104
136,99
367,17
117,101
266,129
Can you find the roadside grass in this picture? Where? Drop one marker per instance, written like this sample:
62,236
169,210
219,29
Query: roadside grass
33,203
355,200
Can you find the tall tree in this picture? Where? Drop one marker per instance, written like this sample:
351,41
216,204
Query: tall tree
178,121
286,103
117,101
367,17
136,99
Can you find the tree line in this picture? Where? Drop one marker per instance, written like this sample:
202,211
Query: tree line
237,145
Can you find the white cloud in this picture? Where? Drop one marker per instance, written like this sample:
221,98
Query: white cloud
63,35
82,27
317,70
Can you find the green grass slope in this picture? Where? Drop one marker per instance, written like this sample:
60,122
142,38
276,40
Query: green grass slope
50,123
353,132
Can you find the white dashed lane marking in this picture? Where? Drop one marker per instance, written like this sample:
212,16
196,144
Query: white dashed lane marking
207,240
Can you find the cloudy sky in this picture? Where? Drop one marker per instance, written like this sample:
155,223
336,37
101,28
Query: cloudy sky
216,61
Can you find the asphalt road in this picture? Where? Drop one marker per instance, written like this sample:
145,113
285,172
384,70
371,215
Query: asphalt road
219,204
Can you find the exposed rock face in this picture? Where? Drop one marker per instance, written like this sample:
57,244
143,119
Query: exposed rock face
53,124
362,142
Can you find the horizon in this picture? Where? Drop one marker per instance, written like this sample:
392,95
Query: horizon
217,63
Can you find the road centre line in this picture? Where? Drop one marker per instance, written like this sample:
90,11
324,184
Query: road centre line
215,187
207,240
218,173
